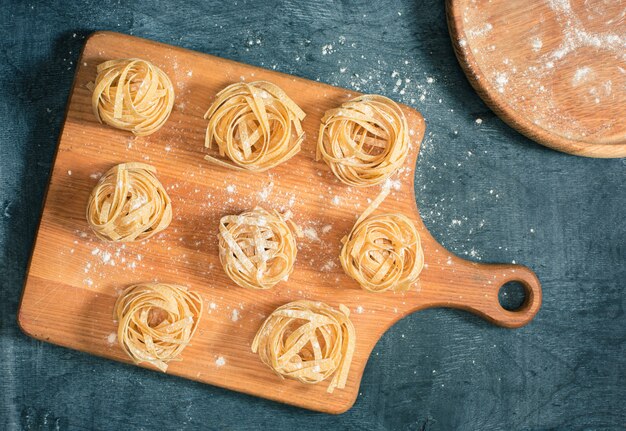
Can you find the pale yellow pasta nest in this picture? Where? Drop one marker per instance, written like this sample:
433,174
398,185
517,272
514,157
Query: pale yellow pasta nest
382,252
129,204
156,322
257,248
308,341
256,126
132,95
364,141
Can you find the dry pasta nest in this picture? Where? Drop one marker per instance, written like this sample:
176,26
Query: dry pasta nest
156,322
129,204
382,252
256,126
132,95
308,341
364,141
257,248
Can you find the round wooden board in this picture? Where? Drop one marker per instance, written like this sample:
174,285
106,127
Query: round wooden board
555,70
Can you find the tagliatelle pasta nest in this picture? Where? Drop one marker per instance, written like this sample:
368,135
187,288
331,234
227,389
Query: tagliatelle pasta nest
308,341
129,204
382,252
257,248
156,322
132,95
256,126
364,141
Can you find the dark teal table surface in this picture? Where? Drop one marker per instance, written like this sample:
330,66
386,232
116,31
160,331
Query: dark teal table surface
484,191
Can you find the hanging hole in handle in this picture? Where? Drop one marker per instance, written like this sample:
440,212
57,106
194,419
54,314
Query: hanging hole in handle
512,296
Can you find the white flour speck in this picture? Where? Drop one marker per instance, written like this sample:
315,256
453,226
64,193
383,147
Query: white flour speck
105,256
267,190
536,43
111,338
328,266
501,81
220,361
480,31
392,184
310,233
581,75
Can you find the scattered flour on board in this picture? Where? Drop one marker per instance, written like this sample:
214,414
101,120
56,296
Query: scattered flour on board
220,361
543,64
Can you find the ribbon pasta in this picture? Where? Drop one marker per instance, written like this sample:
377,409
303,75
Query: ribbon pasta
129,204
364,141
156,322
308,341
256,126
257,248
132,95
382,252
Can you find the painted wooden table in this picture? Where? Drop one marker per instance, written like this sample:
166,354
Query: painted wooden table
485,192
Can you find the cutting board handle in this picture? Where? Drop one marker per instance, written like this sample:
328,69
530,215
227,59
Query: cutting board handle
475,287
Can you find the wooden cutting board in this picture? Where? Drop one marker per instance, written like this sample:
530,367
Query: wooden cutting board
555,70
74,278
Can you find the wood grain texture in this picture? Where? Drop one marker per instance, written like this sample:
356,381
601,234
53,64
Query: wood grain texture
555,71
72,282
